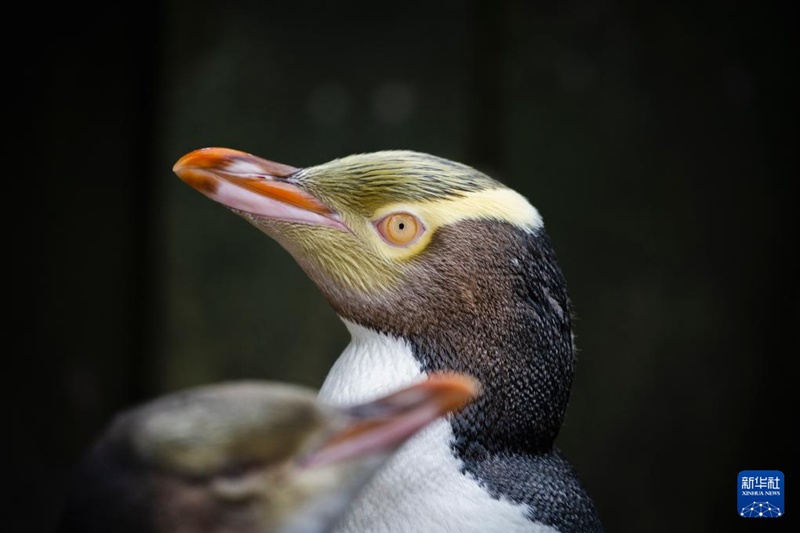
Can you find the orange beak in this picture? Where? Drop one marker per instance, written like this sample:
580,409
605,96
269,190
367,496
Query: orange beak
247,183
384,424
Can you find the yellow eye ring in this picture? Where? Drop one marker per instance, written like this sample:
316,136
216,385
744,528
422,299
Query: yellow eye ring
400,229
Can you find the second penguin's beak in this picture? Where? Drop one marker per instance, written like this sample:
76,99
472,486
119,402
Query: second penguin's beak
383,425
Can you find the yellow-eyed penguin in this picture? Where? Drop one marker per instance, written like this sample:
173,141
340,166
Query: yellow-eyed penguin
432,265
246,457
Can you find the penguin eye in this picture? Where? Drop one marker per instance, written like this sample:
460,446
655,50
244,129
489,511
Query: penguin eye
400,229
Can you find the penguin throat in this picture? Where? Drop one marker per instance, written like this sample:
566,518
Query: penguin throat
512,415
372,365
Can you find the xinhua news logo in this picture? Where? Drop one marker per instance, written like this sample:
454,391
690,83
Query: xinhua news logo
761,494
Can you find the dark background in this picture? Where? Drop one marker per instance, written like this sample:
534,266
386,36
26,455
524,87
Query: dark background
658,141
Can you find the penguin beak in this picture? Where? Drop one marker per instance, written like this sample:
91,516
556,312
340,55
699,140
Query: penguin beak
247,183
381,426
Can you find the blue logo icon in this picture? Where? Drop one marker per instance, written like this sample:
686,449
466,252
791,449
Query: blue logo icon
760,494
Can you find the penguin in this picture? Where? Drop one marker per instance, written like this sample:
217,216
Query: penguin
432,265
246,457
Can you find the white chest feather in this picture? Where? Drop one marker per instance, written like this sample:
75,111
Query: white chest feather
421,489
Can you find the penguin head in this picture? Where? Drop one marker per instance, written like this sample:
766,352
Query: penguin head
252,457
368,226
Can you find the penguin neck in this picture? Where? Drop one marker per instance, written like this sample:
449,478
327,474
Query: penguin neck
370,366
489,301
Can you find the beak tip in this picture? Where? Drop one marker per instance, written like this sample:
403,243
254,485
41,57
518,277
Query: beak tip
465,384
202,157
453,390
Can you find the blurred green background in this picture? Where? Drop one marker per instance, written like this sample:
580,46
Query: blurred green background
658,141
